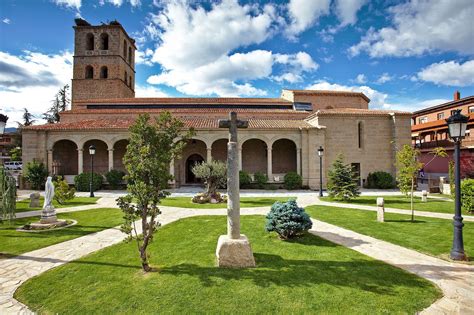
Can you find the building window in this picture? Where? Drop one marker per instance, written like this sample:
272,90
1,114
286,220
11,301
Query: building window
104,73
453,112
423,120
471,109
130,81
89,72
440,116
360,130
125,77
124,49
130,55
104,41
90,41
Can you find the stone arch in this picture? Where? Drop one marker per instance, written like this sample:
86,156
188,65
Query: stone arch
89,72
120,147
104,41
219,149
192,160
104,72
284,156
65,157
245,138
193,146
101,157
90,41
254,156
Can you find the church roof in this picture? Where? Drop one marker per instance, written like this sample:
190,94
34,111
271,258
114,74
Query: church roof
356,112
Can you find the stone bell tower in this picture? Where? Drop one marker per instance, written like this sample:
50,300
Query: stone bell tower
104,62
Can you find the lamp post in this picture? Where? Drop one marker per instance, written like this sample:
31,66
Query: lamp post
92,153
320,153
457,125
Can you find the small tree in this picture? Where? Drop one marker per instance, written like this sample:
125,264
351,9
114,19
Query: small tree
151,148
287,219
36,174
213,173
342,183
62,191
60,104
27,118
15,154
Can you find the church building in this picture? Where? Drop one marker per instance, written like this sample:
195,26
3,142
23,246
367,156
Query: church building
284,134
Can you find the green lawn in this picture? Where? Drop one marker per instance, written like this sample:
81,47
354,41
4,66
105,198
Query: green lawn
13,242
427,235
402,202
23,205
305,276
245,202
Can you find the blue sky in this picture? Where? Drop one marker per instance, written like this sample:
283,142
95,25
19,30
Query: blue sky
402,54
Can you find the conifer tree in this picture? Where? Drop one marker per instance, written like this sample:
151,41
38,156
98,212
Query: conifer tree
60,104
342,184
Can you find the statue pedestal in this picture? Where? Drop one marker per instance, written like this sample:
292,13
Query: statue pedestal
48,215
234,253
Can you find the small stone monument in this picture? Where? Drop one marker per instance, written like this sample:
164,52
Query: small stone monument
48,215
424,196
380,210
233,250
35,200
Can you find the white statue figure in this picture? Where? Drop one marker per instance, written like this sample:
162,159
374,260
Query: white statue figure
48,193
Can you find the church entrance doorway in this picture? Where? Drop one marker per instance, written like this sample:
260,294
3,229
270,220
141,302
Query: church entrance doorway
190,162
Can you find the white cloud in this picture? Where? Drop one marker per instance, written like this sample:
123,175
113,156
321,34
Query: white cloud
305,13
288,77
69,3
6,21
361,78
422,26
144,57
346,10
197,47
385,77
377,99
414,104
449,73
149,91
118,3
31,80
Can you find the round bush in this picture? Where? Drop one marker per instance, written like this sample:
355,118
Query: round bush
380,180
467,195
287,219
260,179
114,178
245,179
293,180
82,181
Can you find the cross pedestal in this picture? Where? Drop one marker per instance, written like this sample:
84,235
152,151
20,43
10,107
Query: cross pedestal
233,250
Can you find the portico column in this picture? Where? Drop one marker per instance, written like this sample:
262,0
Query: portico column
50,161
240,159
269,164
172,169
111,159
80,161
298,161
209,155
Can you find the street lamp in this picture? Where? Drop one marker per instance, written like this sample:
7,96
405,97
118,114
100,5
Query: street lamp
457,125
320,153
3,123
92,153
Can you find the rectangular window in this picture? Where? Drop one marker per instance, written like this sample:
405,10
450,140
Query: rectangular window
359,134
453,112
471,109
440,116
423,120
356,169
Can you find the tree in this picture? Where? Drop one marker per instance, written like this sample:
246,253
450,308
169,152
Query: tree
15,154
287,219
408,166
27,118
214,174
36,174
151,148
342,183
60,104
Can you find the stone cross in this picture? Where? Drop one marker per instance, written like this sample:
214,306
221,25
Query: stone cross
233,191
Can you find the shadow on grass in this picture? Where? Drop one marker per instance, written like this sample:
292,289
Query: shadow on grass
406,221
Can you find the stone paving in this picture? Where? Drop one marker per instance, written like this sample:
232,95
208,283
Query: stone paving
455,280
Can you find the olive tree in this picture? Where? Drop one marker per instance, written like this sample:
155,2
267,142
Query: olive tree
214,174
152,146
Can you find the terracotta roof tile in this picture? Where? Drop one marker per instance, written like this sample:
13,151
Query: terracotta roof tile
330,92
188,100
356,112
436,124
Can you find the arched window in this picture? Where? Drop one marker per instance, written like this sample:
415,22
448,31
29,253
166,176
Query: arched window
125,77
104,41
130,55
124,49
104,72
89,72
90,41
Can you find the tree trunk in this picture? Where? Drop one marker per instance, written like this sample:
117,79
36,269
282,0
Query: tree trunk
411,200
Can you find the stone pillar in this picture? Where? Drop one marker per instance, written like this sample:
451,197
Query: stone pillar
269,164
111,159
80,161
424,196
298,161
172,172
50,161
240,159
209,155
233,191
380,210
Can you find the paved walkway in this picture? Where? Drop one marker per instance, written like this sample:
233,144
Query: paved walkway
456,280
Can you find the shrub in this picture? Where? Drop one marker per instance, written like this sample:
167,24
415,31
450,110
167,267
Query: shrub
293,180
380,180
260,179
82,181
342,183
202,198
467,195
114,178
245,179
36,174
287,219
62,192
